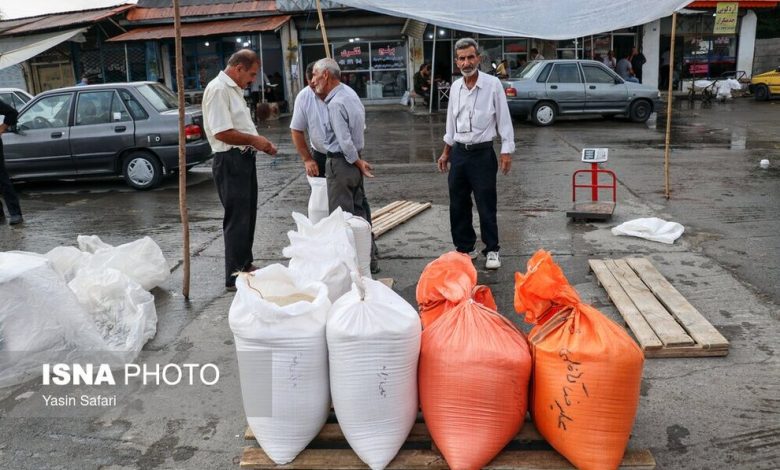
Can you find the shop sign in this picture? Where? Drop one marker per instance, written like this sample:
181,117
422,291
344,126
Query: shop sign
726,18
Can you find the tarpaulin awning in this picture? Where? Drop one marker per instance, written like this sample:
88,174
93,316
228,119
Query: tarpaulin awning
14,50
553,19
210,28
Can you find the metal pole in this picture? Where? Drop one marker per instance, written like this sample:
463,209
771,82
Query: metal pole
182,153
322,30
262,71
669,99
433,70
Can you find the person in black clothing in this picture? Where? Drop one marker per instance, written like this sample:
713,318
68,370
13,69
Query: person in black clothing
422,82
637,61
6,188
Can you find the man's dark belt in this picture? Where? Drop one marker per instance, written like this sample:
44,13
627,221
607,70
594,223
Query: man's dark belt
335,155
247,151
470,147
317,153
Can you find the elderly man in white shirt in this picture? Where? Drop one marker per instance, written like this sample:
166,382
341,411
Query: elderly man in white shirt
234,140
310,113
477,108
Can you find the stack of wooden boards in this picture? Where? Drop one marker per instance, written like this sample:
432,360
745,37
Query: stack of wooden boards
330,450
394,214
662,320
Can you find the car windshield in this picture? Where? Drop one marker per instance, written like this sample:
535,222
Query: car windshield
527,71
160,97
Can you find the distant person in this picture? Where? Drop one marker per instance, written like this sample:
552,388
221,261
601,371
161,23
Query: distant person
535,55
84,81
610,61
422,82
477,112
502,71
234,139
624,69
663,72
637,61
6,187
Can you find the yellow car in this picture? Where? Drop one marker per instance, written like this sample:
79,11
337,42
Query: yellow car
766,85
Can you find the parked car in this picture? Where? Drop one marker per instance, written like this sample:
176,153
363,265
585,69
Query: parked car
15,97
766,85
546,89
127,129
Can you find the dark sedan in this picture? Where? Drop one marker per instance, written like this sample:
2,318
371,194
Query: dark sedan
546,89
127,129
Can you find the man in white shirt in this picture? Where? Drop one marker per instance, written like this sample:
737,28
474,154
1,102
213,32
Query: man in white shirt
535,54
234,140
310,113
477,107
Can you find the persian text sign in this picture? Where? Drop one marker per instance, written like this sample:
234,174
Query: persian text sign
726,18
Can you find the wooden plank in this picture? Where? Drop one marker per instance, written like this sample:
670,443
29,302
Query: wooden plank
639,326
691,319
665,326
346,459
388,281
686,351
331,433
592,210
406,217
386,208
397,214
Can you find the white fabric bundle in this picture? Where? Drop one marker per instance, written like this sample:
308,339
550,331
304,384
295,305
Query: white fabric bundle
278,316
651,228
323,252
361,231
318,200
373,346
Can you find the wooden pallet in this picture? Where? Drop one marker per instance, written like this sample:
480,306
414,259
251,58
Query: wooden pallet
394,214
662,320
329,451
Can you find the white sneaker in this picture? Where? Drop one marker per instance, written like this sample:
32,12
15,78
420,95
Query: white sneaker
474,254
493,262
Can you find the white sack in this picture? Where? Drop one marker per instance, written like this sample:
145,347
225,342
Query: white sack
374,345
361,231
41,321
652,228
141,260
318,200
263,320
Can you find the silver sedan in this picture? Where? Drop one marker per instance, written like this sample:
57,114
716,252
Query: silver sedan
546,89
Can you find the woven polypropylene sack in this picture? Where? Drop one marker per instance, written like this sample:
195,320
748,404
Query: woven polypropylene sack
586,369
277,316
374,344
473,374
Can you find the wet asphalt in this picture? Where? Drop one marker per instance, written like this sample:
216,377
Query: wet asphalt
694,413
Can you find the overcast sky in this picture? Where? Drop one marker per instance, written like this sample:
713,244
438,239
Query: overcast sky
11,9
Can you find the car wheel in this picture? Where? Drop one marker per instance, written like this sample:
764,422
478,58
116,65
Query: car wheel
640,111
761,93
142,171
544,113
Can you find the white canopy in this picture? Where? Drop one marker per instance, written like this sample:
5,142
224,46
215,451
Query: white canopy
552,19
14,50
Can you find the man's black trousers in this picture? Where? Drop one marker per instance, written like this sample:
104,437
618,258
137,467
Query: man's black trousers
7,189
473,171
235,175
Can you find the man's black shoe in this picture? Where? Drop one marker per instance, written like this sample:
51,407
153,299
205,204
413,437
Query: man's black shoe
15,219
375,266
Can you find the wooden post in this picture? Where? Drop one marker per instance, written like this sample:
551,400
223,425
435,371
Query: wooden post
669,99
433,69
322,30
182,154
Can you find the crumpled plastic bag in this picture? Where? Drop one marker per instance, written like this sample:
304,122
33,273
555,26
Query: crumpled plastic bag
141,260
651,228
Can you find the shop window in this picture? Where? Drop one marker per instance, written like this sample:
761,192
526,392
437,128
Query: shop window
352,55
358,81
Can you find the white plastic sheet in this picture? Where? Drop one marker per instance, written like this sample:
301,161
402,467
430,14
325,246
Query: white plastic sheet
553,19
651,228
275,311
374,344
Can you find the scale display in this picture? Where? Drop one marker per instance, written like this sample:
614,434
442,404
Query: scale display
595,155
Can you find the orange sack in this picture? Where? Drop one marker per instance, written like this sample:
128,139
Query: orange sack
586,369
474,366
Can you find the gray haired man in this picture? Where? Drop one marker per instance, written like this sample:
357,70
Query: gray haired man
344,141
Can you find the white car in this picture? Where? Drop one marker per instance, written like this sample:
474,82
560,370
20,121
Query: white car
15,97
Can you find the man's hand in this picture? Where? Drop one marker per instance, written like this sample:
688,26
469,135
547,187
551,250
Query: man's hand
311,167
505,163
264,145
443,161
3,128
365,168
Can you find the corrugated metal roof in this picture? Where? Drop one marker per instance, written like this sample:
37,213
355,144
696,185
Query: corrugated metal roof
141,14
61,20
210,28
183,3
